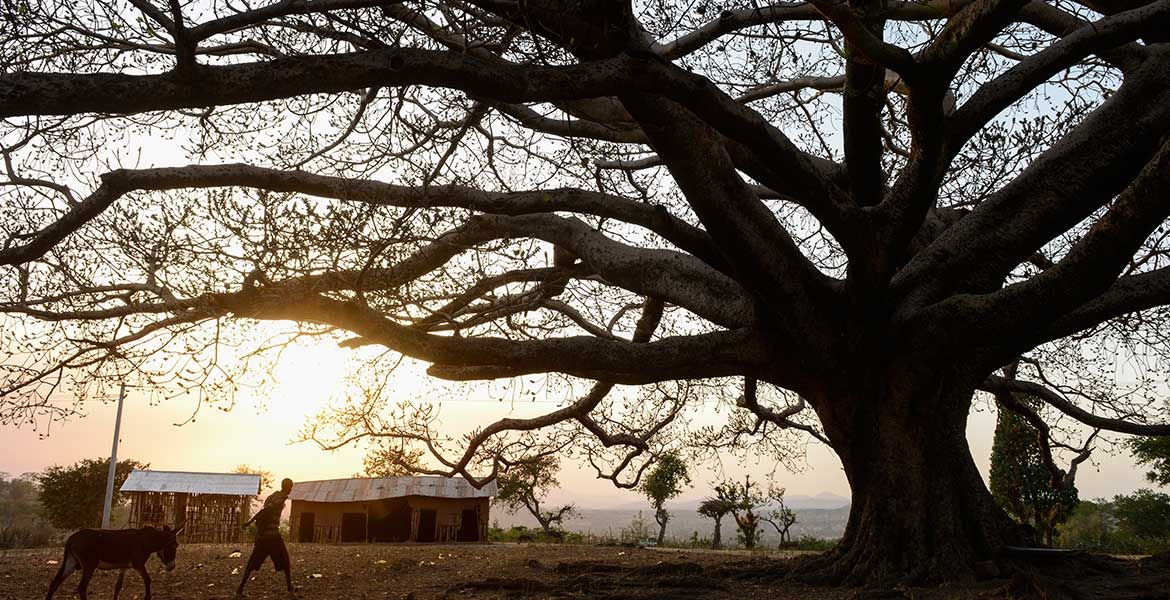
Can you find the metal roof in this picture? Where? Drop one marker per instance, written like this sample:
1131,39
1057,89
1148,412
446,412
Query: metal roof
230,484
365,489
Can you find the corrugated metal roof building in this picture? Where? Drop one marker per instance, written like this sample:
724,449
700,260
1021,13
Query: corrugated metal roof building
390,509
211,506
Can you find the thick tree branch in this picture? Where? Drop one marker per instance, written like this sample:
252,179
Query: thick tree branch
1087,269
754,243
999,93
863,40
1073,178
998,385
23,94
117,183
1127,295
706,355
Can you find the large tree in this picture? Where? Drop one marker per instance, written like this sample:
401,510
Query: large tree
858,210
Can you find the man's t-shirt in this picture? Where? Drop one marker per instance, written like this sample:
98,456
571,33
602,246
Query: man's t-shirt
268,519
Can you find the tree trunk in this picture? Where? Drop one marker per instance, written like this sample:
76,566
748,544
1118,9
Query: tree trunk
545,525
920,510
716,539
661,516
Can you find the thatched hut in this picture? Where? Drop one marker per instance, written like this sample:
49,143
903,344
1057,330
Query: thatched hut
390,509
213,506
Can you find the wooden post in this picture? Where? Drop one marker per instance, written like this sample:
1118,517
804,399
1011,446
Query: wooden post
113,461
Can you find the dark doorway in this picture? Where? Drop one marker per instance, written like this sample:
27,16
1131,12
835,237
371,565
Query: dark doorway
426,525
353,527
469,525
305,529
390,520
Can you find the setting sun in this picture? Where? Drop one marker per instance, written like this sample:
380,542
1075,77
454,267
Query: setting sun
305,378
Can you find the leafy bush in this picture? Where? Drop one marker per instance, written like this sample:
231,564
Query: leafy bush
808,542
22,524
522,534
1137,523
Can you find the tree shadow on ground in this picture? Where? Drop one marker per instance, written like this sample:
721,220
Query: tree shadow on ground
1070,577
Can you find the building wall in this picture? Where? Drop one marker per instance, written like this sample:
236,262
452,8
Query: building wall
205,517
382,518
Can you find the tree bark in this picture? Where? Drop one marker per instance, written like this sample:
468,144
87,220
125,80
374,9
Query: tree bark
921,512
717,538
662,517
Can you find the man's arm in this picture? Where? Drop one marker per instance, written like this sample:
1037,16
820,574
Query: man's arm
256,516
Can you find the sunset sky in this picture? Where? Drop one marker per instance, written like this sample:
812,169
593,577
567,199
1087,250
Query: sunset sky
261,433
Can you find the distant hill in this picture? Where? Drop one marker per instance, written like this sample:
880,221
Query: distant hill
823,523
823,500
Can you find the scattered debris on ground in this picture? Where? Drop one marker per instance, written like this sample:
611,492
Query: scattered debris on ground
538,572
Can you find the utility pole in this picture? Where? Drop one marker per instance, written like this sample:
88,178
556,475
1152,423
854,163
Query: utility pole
113,461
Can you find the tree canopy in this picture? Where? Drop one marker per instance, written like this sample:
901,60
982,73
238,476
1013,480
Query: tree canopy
73,497
22,524
840,221
1154,452
717,507
526,485
1021,480
665,481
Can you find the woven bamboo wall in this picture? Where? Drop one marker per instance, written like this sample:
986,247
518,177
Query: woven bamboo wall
207,517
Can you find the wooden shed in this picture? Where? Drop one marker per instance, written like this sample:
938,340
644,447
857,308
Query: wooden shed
212,506
391,509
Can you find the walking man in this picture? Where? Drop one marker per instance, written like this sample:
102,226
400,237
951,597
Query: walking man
268,540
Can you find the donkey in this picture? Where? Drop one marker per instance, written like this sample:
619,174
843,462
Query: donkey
106,549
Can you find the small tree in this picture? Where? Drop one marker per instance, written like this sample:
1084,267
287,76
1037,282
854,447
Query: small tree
745,500
779,516
525,485
1020,480
72,496
665,481
1154,452
716,508
636,530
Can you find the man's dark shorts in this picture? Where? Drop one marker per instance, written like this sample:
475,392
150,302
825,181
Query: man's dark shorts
269,546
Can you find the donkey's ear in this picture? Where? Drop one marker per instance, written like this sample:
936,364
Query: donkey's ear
166,528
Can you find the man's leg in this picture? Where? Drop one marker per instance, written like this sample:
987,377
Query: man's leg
247,573
283,563
254,563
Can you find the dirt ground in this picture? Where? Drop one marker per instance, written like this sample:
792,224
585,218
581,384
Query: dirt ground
490,571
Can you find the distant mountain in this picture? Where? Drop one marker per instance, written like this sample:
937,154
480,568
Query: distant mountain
823,500
823,523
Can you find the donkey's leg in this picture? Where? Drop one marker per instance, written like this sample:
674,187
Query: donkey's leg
118,583
145,578
83,587
68,566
